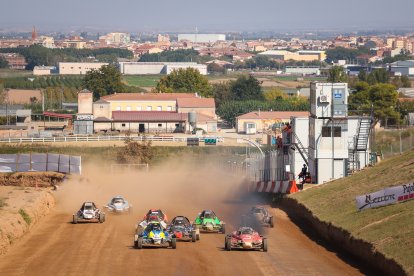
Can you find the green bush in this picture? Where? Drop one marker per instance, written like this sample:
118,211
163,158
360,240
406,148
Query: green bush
25,216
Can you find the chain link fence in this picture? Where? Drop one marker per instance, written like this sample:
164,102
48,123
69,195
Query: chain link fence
392,141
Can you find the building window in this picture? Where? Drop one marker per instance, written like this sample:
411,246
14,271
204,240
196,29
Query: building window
159,125
118,108
159,108
139,108
123,125
149,108
337,131
169,108
177,125
326,131
128,108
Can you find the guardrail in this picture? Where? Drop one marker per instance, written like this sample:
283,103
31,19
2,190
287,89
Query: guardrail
101,139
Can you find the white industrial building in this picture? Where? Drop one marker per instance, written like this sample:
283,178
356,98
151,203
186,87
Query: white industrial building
303,70
202,38
156,68
79,68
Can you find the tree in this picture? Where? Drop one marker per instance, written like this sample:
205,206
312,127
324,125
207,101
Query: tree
221,92
378,76
185,80
382,97
246,88
337,74
362,75
104,81
405,81
274,94
135,152
4,63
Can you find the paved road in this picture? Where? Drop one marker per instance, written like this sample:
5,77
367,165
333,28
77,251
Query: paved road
57,247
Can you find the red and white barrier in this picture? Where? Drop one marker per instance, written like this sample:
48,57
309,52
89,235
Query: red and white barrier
275,187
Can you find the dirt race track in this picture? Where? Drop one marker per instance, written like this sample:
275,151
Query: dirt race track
58,247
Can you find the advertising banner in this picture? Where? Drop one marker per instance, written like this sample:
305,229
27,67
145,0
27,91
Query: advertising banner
385,197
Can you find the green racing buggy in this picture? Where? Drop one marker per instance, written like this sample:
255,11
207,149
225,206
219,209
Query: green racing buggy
207,221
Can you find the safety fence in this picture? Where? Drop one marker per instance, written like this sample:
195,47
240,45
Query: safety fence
270,173
102,139
40,162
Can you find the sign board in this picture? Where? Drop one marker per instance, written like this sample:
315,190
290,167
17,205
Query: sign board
385,197
84,117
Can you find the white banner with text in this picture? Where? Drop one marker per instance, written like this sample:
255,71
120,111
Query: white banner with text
385,197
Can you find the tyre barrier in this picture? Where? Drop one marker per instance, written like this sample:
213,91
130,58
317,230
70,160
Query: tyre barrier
275,187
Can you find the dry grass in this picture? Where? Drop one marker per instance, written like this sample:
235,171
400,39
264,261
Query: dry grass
390,229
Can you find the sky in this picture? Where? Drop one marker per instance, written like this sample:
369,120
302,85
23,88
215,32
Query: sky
207,15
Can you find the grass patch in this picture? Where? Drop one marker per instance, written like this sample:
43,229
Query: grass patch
11,73
109,153
390,228
142,80
25,216
3,202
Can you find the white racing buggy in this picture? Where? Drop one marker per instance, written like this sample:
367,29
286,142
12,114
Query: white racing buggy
88,212
119,204
258,214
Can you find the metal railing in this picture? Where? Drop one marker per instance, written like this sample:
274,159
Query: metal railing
100,139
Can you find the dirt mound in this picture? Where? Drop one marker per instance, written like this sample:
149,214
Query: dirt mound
21,208
31,179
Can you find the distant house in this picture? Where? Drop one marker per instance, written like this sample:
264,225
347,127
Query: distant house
153,112
15,61
261,121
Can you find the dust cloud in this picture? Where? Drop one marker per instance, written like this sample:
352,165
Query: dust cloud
178,186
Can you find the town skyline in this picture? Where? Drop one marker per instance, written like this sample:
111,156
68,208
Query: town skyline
226,16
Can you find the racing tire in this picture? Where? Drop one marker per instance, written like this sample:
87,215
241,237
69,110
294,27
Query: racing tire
101,218
223,229
139,243
228,244
136,244
225,242
75,219
264,245
193,236
271,222
198,236
174,243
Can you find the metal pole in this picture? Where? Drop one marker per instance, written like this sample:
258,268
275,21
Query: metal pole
400,141
332,132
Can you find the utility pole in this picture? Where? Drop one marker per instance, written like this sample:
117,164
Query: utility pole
332,131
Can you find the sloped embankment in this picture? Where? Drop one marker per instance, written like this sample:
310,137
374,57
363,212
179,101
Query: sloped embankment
31,179
382,237
20,209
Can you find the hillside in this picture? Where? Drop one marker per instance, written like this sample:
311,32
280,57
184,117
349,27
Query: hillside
389,229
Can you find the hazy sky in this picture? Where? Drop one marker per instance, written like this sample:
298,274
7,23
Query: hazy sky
170,15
